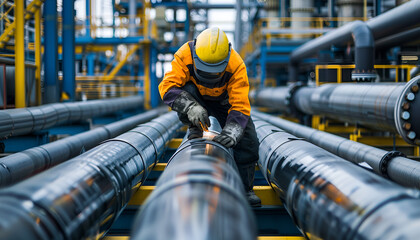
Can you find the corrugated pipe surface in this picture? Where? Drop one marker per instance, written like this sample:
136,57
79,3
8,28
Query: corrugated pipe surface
15,122
330,198
199,196
82,197
22,165
391,164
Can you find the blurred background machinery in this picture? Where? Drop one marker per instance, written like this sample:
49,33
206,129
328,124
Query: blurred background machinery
334,86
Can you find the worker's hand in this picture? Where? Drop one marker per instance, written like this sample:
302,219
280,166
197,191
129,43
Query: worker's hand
198,116
230,136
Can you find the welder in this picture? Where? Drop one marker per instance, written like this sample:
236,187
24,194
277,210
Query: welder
209,78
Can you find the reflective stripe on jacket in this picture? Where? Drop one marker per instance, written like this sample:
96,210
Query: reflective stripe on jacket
234,85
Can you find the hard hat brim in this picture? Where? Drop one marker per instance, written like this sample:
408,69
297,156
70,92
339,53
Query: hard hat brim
211,67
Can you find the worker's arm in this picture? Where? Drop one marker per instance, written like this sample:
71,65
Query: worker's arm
170,87
237,119
178,99
238,90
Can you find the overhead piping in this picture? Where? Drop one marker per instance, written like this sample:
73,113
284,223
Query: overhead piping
393,21
364,49
399,38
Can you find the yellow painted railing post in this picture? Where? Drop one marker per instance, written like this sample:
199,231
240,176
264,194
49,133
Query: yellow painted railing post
19,55
146,90
38,55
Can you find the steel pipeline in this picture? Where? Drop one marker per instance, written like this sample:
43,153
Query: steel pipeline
22,165
82,197
330,198
14,122
383,106
199,196
392,164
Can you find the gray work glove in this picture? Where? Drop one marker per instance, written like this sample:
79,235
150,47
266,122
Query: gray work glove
197,115
230,136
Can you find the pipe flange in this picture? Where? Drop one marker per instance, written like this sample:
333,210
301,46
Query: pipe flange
363,76
383,164
292,90
406,112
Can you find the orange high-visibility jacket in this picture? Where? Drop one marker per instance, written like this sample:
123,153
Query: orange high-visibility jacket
234,84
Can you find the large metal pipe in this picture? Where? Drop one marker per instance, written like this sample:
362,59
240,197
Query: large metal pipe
383,106
363,42
82,197
330,198
391,164
198,196
393,21
22,165
15,122
399,39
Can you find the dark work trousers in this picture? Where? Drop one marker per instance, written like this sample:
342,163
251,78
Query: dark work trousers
246,150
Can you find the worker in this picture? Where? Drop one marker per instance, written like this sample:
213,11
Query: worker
209,78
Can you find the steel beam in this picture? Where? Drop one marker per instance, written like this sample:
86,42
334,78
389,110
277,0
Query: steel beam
69,71
330,198
20,93
19,166
81,198
51,88
199,196
15,122
383,106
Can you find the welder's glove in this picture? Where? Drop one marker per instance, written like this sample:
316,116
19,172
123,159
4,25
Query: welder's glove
230,135
197,115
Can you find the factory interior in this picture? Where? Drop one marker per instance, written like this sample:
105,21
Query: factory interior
88,149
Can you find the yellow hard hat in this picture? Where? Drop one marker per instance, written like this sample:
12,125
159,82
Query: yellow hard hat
211,54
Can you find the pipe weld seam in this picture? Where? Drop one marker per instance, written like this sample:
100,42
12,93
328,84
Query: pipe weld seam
143,160
383,164
195,179
153,143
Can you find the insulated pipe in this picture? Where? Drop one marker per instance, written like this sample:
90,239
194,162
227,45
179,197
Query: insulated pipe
414,72
22,165
383,106
330,198
393,21
391,164
199,196
15,122
399,38
82,197
364,48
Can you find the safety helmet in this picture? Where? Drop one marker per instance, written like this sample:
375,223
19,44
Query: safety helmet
211,55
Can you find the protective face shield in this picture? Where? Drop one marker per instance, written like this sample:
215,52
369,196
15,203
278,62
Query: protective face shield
211,53
209,72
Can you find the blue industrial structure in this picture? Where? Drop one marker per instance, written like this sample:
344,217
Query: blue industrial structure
92,75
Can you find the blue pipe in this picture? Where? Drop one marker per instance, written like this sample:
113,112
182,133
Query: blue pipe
69,84
50,52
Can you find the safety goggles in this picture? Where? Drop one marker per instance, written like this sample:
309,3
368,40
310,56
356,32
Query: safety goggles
209,72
